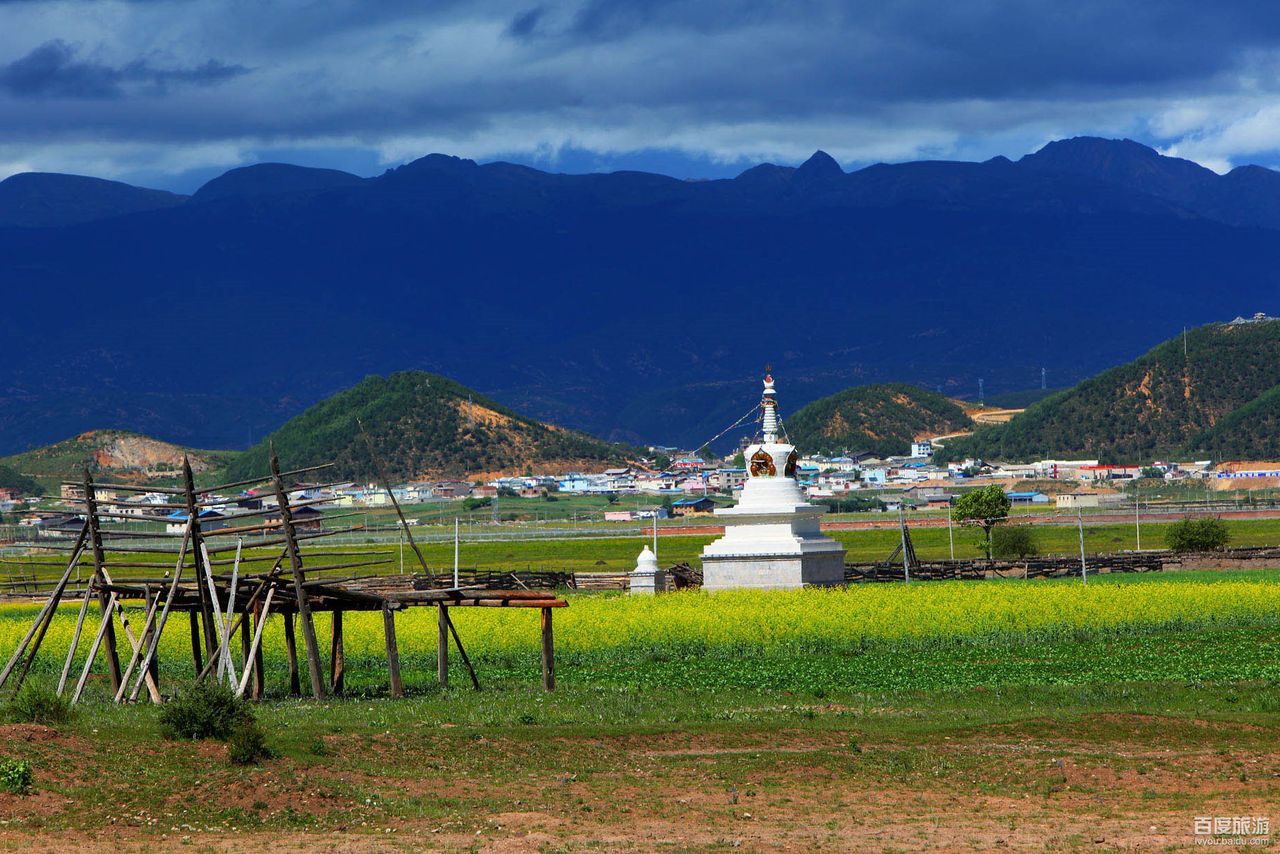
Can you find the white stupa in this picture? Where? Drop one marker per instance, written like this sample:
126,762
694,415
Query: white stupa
771,538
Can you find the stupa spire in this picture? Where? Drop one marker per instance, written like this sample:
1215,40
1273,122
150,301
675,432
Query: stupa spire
769,403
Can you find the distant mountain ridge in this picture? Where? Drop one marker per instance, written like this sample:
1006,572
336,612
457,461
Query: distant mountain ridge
635,306
1215,391
42,199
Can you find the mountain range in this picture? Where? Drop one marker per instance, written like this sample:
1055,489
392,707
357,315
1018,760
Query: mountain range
634,306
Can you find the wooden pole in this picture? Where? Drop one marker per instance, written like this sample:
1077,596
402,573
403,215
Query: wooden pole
246,641
135,644
442,646
224,652
382,475
93,649
259,670
253,650
337,662
548,653
195,641
466,662
99,578
291,647
149,617
75,643
152,641
299,579
393,651
197,548
41,623
1084,567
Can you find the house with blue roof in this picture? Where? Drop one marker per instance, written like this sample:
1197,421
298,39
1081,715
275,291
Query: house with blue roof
210,520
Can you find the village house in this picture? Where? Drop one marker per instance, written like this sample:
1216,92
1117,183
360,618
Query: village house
304,519
689,506
727,479
210,520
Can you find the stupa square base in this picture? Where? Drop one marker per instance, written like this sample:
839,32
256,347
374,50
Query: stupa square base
773,572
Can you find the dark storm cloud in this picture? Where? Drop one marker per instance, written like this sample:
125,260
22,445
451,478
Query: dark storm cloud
722,79
53,70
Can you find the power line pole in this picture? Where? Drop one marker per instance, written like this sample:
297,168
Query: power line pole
1137,520
951,540
1084,567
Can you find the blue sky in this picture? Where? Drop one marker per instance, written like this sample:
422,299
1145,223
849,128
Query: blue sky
169,93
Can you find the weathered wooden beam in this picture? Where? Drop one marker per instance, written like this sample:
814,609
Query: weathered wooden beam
112,603
41,623
152,653
276,474
75,643
337,656
442,646
386,484
99,576
291,648
471,671
196,655
393,651
253,651
295,563
548,653
197,549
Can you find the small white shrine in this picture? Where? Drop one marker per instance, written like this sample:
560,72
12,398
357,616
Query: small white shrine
771,538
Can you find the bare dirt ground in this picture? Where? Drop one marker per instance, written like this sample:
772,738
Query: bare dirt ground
1105,781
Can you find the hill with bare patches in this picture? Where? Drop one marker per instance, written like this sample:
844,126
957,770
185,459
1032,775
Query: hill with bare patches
118,455
1212,391
425,426
882,419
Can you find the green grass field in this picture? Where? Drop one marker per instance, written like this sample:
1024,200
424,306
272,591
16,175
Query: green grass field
617,554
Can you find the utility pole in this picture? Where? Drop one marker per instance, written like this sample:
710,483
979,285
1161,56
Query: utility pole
906,556
951,540
655,532
455,551
1137,519
1084,567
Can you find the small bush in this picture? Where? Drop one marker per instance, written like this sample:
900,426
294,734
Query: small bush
1208,534
37,704
15,776
248,743
1014,541
205,710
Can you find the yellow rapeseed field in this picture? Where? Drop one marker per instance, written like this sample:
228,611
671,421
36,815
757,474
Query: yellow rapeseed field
810,618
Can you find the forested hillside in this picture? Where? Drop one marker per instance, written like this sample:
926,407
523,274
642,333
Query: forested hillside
1189,393
882,419
423,425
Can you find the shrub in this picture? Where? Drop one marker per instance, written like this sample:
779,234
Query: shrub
1207,534
15,776
1015,541
204,710
37,704
248,743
